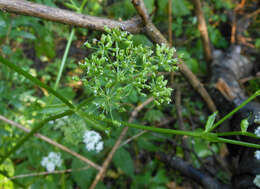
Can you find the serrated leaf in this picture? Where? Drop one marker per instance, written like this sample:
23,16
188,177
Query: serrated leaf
122,160
244,125
83,178
210,121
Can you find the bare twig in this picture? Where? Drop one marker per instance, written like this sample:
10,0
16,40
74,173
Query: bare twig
198,86
139,108
67,17
48,140
189,171
180,120
233,30
48,173
170,22
255,13
246,79
165,122
133,137
140,7
203,30
240,5
106,163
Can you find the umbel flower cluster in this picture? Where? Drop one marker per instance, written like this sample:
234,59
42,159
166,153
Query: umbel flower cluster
93,141
116,67
51,161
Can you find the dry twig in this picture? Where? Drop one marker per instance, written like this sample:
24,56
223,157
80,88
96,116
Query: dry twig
106,163
181,123
48,173
203,30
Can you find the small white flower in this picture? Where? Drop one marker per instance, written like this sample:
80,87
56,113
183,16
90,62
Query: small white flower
257,154
257,119
50,166
257,180
51,161
99,146
93,141
257,131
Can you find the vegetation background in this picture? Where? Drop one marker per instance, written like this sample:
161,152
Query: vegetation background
37,46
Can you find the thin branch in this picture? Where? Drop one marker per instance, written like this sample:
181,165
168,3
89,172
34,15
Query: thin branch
133,137
189,171
48,173
106,163
67,17
255,13
140,7
233,30
165,122
202,26
180,120
139,108
48,140
240,5
198,86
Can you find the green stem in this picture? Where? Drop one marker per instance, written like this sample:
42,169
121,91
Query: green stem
180,132
237,133
33,131
82,6
247,144
64,58
149,128
35,81
235,110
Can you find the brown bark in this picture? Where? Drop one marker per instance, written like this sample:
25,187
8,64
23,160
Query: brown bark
68,17
202,26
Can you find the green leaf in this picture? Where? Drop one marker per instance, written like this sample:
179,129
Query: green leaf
23,34
83,178
141,39
153,115
244,125
180,8
257,43
210,121
160,177
122,160
144,143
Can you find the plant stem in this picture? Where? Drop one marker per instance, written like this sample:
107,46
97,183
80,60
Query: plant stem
238,133
35,81
247,144
257,93
64,58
